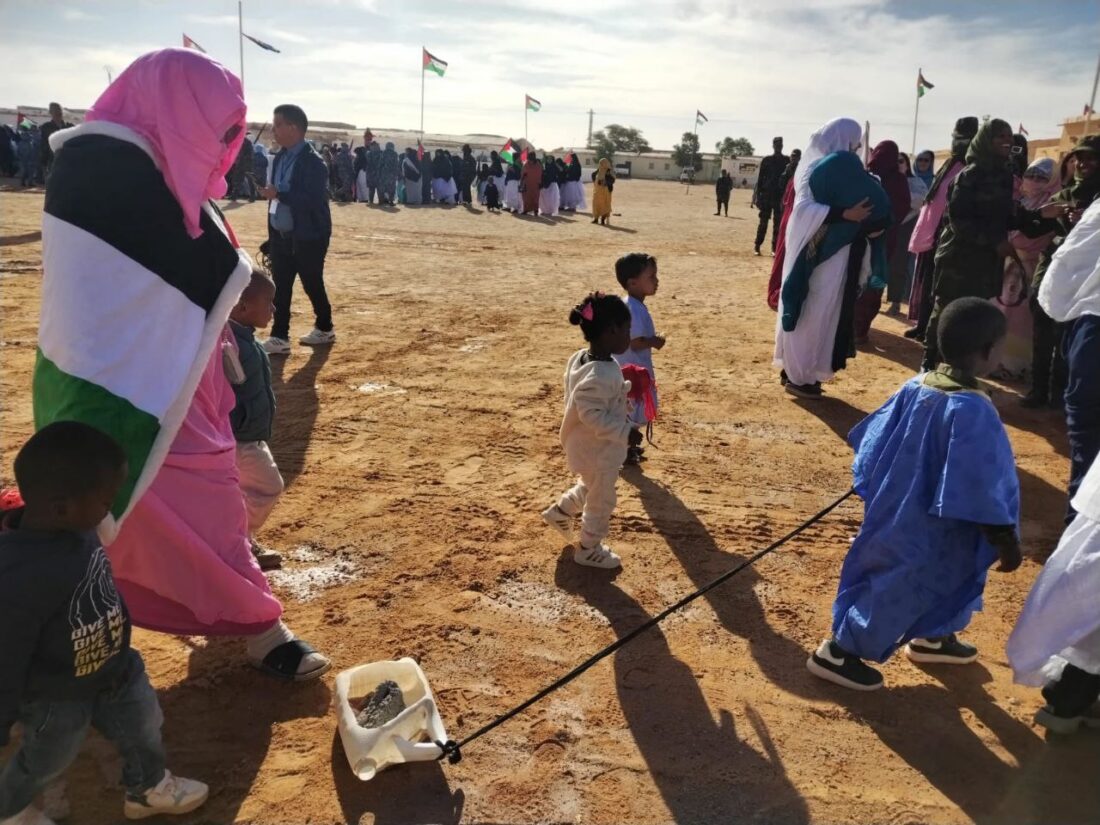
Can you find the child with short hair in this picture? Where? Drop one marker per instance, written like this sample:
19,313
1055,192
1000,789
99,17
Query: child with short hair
595,428
636,272
65,633
251,419
936,472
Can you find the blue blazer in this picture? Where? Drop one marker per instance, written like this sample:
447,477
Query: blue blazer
308,196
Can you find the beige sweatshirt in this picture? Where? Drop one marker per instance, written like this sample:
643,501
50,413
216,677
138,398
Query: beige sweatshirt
595,428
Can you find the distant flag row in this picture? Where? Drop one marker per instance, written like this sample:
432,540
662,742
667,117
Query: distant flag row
188,43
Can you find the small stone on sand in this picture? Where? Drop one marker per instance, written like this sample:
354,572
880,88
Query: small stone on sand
382,706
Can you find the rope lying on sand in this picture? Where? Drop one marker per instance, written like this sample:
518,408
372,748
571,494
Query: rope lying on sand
452,750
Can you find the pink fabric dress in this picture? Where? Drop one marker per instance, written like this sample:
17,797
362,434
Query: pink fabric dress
183,561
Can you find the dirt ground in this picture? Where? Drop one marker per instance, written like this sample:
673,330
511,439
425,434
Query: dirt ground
418,453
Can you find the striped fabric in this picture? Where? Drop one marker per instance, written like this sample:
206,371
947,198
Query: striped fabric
132,306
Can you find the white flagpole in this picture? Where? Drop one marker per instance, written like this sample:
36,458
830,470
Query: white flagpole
240,37
1092,100
422,92
525,140
916,112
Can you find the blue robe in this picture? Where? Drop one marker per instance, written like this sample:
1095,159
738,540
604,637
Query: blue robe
931,466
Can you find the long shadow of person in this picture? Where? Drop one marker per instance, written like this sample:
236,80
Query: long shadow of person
219,722
296,408
704,771
921,724
837,414
415,794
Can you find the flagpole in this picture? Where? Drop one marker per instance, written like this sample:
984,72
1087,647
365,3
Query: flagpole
240,37
422,92
916,114
1092,101
525,140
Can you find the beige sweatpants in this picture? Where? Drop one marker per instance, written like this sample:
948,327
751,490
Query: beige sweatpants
261,483
593,498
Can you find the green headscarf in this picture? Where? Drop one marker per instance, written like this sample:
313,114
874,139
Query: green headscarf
981,152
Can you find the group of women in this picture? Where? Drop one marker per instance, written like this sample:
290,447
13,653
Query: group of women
985,224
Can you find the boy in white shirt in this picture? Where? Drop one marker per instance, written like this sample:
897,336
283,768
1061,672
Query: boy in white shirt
637,274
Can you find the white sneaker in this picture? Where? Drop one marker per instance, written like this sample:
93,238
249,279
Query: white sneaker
598,556
276,346
174,795
317,338
29,816
559,520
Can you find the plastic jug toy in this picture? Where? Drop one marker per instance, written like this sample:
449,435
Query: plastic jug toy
408,737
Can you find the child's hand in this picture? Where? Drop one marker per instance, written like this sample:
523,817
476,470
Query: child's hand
1011,557
658,341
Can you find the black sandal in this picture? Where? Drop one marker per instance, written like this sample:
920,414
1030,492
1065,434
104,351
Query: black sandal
282,662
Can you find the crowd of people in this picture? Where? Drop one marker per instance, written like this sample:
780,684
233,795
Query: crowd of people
934,465
517,182
25,151
140,495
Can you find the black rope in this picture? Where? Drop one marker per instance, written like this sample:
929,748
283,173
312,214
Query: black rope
452,750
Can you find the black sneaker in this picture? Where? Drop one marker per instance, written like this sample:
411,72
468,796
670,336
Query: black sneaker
811,391
1053,721
831,663
756,250
945,650
914,334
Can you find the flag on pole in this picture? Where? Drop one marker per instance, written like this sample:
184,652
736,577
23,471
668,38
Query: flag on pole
700,118
508,152
922,84
261,43
1088,110
188,43
532,104
1022,131
433,63
523,156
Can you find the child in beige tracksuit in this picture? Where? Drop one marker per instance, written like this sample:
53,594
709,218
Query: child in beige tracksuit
595,429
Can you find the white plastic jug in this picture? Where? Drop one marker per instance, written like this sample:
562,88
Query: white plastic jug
408,737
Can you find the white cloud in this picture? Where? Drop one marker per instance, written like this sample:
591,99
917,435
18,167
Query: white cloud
213,19
74,15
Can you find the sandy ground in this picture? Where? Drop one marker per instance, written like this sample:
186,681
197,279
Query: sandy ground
418,453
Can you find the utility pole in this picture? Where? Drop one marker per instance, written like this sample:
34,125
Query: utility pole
591,115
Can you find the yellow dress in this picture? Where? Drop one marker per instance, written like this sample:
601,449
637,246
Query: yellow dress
601,195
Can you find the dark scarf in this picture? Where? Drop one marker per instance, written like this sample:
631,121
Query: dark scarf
965,129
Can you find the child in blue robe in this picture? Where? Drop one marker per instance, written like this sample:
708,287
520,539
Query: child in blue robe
941,504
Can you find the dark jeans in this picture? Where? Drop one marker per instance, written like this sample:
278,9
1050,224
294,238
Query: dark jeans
1048,365
1082,348
766,212
127,714
723,203
463,192
290,259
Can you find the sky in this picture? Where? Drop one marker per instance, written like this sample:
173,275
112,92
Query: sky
755,68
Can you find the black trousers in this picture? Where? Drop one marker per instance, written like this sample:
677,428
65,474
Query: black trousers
292,259
723,203
464,191
1048,363
775,213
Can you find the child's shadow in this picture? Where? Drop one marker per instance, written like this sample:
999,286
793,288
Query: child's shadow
703,769
296,408
921,724
219,722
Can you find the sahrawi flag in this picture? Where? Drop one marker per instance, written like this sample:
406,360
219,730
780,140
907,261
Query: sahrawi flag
1023,131
262,44
700,118
922,84
508,152
133,308
188,43
433,63
533,104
